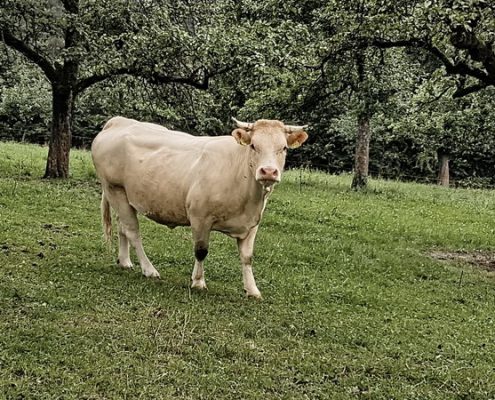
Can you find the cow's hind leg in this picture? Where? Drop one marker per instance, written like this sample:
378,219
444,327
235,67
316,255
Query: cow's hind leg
246,247
124,259
129,231
201,236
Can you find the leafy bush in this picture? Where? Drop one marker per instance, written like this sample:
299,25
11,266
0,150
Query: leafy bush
25,104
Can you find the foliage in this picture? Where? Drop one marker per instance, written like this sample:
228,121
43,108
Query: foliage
458,33
24,102
431,121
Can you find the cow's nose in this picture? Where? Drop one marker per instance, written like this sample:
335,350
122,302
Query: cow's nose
269,173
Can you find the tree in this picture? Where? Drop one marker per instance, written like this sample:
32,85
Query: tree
24,95
353,71
363,135
457,33
77,44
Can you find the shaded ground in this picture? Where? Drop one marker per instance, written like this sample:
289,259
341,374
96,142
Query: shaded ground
483,259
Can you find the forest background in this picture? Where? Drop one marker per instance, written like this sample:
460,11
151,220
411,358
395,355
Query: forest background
393,89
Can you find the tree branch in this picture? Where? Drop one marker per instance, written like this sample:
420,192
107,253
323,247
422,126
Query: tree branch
84,83
153,77
477,49
191,80
459,68
461,92
17,44
479,53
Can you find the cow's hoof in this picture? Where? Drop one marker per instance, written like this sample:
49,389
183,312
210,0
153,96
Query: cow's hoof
151,273
254,294
199,284
125,265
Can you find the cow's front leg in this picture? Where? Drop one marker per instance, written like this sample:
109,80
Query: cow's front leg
246,247
201,236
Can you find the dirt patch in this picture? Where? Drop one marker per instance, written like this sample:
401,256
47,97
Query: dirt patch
482,259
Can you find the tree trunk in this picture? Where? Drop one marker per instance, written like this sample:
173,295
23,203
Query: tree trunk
57,164
443,173
362,156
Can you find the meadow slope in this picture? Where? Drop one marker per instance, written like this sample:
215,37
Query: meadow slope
353,305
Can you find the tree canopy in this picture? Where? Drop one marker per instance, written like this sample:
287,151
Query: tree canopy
423,74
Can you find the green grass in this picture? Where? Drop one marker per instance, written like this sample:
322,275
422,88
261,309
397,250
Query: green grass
353,307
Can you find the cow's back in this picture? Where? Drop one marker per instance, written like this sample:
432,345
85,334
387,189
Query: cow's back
124,143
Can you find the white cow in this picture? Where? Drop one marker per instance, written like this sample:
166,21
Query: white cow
176,179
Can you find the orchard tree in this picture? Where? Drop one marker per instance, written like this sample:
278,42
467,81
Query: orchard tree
453,136
79,43
355,72
458,34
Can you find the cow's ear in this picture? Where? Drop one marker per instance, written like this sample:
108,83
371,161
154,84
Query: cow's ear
296,139
242,137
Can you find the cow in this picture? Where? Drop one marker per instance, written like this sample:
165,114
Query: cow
217,183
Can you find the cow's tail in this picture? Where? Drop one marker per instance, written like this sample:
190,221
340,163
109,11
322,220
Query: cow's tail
106,219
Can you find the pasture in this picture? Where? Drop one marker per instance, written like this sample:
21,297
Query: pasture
354,306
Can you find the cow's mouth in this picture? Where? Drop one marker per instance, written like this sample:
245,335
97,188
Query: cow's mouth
268,182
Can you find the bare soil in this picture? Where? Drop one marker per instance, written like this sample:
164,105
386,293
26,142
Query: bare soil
482,259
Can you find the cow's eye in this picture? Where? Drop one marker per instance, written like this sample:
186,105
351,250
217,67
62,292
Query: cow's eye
286,148
252,147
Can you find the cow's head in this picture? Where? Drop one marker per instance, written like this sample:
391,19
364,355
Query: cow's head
268,141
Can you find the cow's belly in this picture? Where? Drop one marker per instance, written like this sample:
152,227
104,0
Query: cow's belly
237,226
169,219
174,200
171,214
166,208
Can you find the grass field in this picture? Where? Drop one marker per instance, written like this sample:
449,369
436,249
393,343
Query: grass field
353,305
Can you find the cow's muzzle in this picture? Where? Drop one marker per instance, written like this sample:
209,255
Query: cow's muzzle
268,176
